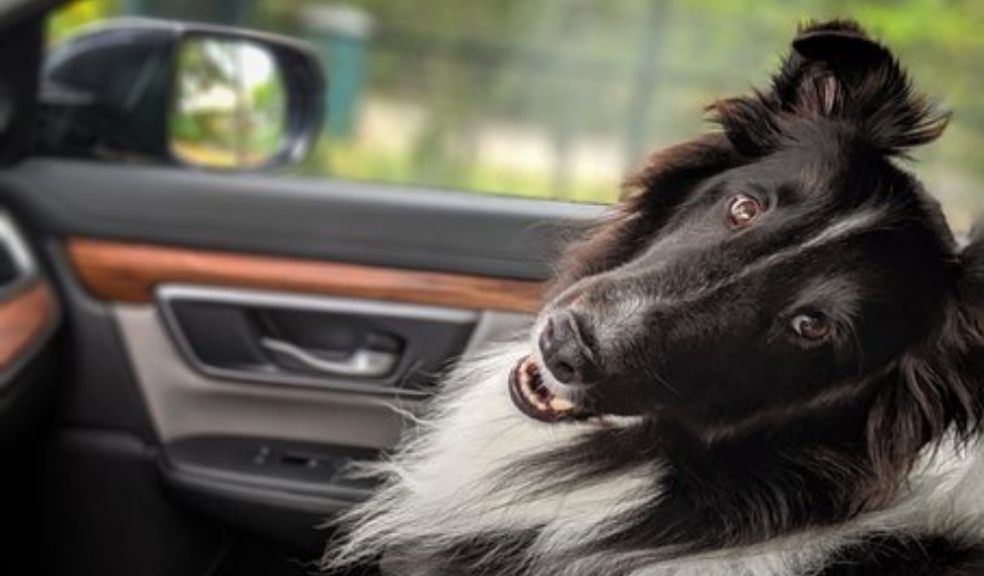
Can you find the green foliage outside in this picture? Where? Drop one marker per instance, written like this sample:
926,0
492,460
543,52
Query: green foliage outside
229,108
560,98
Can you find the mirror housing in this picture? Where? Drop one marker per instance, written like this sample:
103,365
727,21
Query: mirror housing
111,92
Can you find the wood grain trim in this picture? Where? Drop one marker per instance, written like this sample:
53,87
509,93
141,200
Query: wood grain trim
125,272
23,319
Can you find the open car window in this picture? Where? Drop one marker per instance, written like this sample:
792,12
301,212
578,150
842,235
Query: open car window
560,100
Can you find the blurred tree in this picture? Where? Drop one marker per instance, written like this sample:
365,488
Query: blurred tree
581,85
73,16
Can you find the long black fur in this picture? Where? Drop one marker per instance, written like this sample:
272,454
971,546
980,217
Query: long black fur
838,90
759,435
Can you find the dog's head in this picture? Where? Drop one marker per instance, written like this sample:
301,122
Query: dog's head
784,261
761,338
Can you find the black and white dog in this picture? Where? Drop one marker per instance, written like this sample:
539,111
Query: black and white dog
768,360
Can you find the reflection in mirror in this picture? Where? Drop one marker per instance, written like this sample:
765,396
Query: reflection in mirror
229,106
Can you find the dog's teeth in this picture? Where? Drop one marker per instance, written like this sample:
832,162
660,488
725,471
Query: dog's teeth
529,368
561,404
529,393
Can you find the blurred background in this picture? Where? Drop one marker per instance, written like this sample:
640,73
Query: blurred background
559,99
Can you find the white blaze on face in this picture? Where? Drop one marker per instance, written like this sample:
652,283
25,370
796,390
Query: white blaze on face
622,319
864,219
455,478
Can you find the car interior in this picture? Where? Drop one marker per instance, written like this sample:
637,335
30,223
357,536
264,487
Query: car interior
192,358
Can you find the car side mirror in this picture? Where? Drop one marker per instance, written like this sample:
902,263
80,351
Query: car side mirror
182,93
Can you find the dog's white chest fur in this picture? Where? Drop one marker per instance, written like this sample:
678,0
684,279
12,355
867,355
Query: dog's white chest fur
454,481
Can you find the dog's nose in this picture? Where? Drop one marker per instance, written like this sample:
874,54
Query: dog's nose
564,352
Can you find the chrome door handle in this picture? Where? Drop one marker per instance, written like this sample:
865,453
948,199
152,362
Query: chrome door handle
363,363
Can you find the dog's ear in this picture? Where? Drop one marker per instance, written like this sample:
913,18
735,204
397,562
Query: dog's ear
838,41
834,71
933,392
938,387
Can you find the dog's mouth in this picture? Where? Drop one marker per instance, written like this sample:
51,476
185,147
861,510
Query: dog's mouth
532,396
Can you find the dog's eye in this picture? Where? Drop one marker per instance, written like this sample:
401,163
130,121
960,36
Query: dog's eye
811,327
742,210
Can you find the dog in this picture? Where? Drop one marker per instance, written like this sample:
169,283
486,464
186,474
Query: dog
767,360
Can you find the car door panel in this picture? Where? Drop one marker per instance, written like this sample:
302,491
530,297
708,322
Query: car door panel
131,245
281,430
184,402
335,220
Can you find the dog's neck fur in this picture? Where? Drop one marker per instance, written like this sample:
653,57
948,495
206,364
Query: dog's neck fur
467,496
942,495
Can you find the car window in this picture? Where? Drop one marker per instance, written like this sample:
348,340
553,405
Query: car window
559,99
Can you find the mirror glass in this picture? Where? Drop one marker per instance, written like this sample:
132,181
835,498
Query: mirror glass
230,104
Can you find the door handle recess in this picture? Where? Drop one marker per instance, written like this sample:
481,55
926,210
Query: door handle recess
363,363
